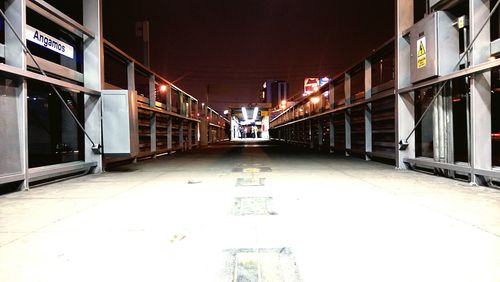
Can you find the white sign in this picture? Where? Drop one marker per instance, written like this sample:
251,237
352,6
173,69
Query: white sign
49,42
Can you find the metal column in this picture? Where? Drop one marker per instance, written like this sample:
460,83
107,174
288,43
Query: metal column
152,104
368,109
15,160
480,91
347,87
405,106
93,54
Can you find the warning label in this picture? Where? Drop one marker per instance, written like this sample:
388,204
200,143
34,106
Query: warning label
421,53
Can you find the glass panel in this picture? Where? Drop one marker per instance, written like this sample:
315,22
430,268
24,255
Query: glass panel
161,92
339,93
424,132
419,9
383,67
460,94
72,9
142,84
175,101
115,71
358,85
53,136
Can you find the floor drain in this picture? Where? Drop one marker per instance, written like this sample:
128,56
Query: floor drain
250,181
245,265
253,206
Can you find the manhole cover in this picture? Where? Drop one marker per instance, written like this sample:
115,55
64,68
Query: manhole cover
250,181
266,265
253,206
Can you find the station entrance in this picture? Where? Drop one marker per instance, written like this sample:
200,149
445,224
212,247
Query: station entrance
250,122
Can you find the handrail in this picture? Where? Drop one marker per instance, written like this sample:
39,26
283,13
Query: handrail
130,59
326,86
39,6
388,93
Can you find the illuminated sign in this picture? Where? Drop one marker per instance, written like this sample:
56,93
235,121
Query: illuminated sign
311,85
324,81
49,42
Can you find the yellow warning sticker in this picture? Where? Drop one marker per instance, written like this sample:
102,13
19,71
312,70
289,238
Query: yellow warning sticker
251,170
421,53
461,22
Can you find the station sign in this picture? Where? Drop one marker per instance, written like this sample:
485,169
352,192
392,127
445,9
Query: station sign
40,38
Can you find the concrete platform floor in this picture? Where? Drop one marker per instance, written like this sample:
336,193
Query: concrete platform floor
316,217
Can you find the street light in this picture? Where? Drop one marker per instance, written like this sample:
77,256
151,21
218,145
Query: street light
163,88
315,100
283,104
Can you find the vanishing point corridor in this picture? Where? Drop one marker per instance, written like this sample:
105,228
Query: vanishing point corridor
252,211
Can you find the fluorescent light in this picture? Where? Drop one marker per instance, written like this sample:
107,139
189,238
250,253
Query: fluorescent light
255,111
245,115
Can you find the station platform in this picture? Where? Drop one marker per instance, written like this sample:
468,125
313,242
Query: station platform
252,211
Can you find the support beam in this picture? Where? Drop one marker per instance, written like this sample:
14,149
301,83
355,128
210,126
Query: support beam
93,54
368,109
347,89
480,99
405,107
15,134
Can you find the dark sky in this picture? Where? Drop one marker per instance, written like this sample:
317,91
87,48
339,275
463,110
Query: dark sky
235,45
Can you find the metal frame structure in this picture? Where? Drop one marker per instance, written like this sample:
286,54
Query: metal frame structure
14,119
344,115
161,125
212,126
477,70
338,106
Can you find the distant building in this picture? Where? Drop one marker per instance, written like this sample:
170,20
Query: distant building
274,91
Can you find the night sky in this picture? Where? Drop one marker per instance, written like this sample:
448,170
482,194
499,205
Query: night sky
235,45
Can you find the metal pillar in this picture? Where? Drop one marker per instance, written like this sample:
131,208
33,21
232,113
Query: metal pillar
93,54
480,99
347,87
152,104
368,109
405,107
15,160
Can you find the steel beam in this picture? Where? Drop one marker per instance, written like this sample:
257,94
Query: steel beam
93,54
